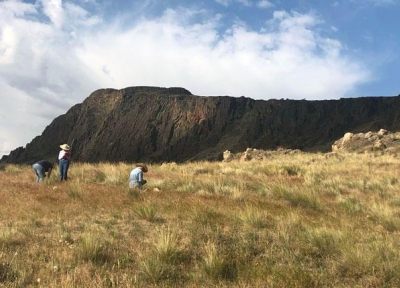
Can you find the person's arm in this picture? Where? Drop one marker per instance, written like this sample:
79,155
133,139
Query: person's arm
49,172
140,177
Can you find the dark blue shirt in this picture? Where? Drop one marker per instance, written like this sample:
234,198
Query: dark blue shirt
45,164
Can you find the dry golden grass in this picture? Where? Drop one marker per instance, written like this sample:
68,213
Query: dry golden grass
288,221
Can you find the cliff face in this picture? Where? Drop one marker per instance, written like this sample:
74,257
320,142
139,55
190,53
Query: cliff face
170,124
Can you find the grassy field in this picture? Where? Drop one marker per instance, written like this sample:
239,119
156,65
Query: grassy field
300,220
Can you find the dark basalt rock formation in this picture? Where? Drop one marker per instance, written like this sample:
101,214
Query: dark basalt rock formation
170,124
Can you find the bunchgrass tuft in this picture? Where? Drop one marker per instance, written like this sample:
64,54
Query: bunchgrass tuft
351,205
213,262
10,237
215,267
12,168
8,273
75,190
92,247
204,217
306,199
167,245
146,212
291,170
154,271
255,217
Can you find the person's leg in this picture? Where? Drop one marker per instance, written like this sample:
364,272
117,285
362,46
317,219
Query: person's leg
64,165
66,170
34,168
39,171
61,168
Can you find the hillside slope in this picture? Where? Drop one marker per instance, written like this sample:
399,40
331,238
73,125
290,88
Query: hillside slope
170,124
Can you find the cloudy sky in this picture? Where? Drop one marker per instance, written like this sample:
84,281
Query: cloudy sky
54,53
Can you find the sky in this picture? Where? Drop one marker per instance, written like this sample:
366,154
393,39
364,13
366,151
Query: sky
55,53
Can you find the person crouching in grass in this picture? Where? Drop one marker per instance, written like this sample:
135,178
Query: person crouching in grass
136,176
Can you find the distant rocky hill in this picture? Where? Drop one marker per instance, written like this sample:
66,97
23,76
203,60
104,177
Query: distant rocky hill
170,124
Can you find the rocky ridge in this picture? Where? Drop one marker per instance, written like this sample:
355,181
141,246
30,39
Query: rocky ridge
156,124
381,142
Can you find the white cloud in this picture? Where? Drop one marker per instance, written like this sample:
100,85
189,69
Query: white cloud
223,2
167,52
46,67
265,4
41,77
20,114
247,3
368,37
15,8
335,4
54,11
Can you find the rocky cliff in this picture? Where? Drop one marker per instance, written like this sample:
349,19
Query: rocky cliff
170,124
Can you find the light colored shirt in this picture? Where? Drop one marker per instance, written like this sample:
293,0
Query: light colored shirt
64,155
136,177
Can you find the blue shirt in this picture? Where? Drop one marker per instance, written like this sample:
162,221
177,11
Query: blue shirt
45,164
136,176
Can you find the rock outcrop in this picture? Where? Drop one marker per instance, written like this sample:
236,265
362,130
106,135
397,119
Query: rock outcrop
257,154
381,141
155,124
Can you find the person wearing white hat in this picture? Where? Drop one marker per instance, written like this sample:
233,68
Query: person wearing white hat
63,161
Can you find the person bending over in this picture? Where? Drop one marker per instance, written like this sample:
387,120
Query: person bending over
136,176
41,168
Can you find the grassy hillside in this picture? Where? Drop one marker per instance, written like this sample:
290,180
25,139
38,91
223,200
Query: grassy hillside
299,220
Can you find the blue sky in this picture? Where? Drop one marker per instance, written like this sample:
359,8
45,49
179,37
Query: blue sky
54,53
